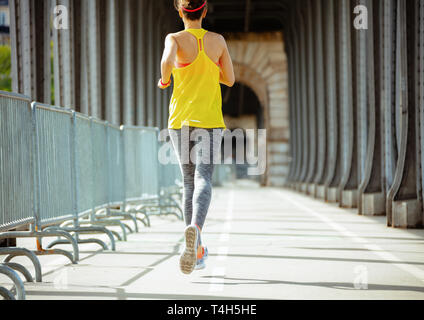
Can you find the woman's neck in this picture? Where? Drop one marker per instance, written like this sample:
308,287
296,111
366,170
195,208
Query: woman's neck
193,24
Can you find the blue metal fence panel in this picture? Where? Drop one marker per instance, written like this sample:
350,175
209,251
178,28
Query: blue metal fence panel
16,162
83,163
223,173
133,169
150,164
170,173
54,168
116,165
100,164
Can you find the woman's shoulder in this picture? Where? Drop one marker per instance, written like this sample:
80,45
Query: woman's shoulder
183,36
175,35
216,38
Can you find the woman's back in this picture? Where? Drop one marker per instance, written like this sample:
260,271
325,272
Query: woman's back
188,48
199,62
196,100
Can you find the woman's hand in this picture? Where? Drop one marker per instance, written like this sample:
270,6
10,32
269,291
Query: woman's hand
162,85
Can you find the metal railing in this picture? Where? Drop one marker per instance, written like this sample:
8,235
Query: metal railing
16,165
54,172
224,174
171,182
16,173
84,186
64,174
19,192
155,193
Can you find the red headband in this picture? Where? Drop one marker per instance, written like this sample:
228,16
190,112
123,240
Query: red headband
200,8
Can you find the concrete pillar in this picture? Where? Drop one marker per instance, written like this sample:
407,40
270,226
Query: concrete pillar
17,44
94,65
43,51
311,86
404,203
389,151
158,56
112,63
141,61
128,76
320,98
166,94
292,109
150,79
362,65
63,56
83,72
348,193
331,98
30,42
298,104
371,192
304,97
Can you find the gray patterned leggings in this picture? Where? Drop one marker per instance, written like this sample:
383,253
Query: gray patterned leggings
196,150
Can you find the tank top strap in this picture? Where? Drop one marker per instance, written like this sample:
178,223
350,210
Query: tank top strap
199,34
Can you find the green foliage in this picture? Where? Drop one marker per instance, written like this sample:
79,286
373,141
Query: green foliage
5,68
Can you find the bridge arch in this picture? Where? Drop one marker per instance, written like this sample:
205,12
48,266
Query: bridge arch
260,63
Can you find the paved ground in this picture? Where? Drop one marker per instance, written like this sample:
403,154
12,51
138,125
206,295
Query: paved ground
264,244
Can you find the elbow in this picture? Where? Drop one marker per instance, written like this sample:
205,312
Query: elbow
231,82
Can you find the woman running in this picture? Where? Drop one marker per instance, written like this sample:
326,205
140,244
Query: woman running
199,61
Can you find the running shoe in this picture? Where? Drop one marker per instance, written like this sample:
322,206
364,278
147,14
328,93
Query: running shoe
201,262
188,258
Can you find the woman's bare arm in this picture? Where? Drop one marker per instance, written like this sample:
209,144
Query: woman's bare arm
227,70
168,60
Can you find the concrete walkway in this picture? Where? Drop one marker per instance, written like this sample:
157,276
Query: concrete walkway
263,243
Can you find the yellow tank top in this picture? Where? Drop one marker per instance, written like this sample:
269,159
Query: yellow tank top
196,100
